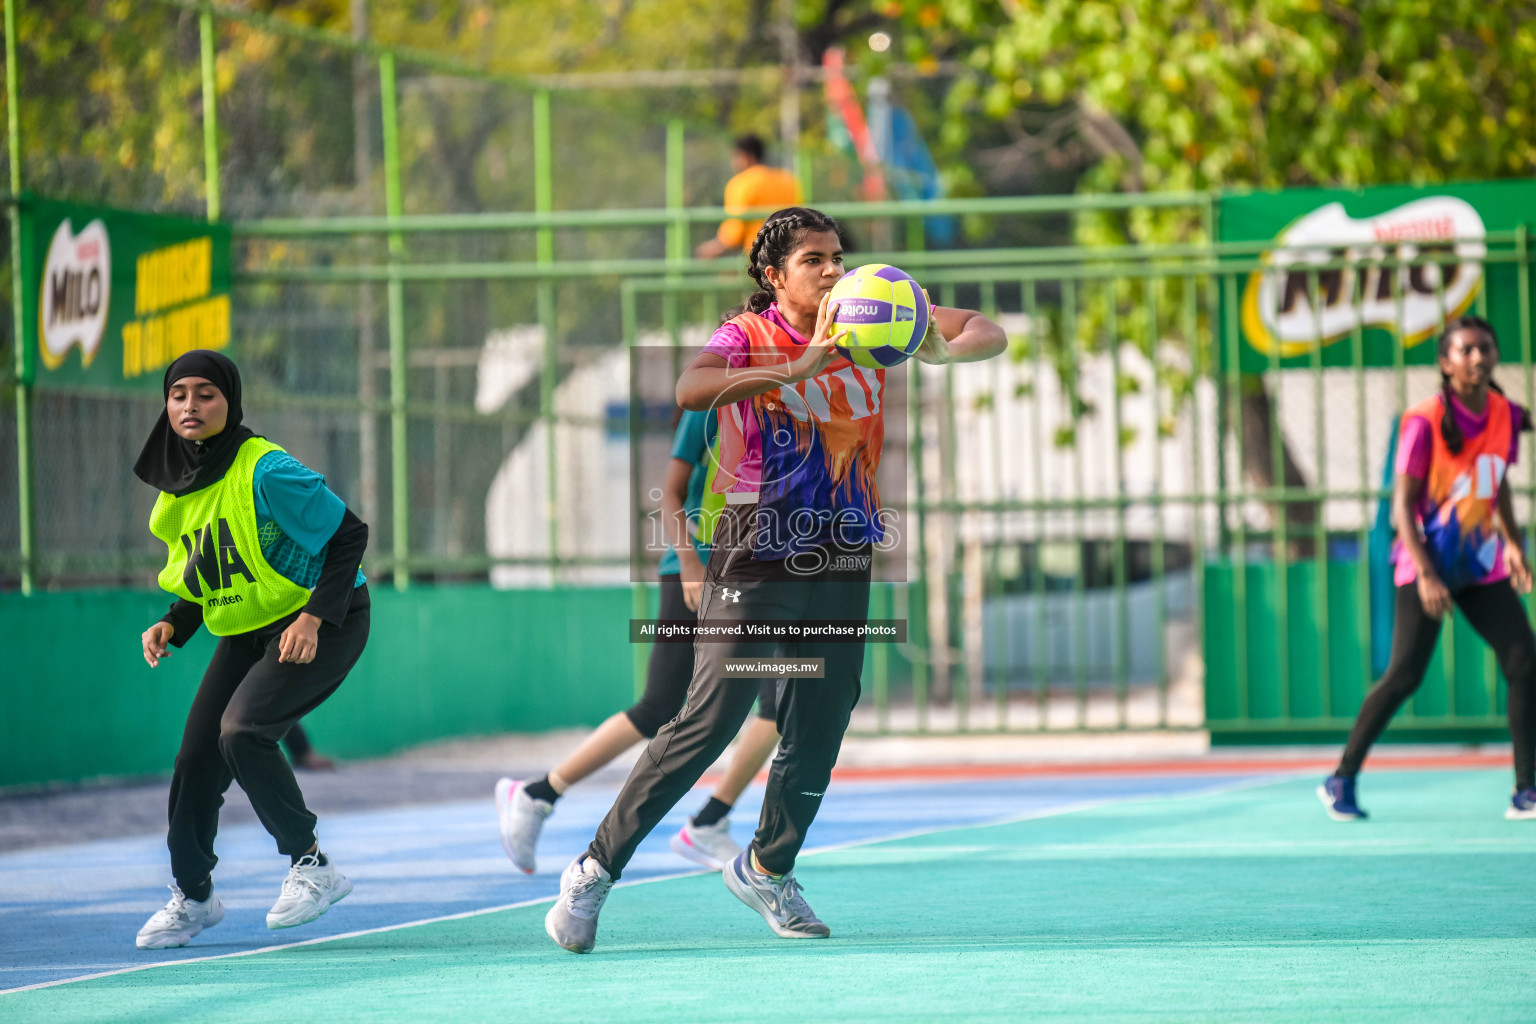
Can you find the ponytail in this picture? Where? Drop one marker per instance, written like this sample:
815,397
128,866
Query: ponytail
1448,427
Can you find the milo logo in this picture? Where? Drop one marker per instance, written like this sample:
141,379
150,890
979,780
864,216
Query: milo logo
77,286
1294,307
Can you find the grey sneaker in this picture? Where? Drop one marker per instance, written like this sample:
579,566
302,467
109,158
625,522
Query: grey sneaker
777,899
179,921
572,921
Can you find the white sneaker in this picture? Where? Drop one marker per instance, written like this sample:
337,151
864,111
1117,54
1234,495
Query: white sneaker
308,891
709,845
179,921
572,921
522,819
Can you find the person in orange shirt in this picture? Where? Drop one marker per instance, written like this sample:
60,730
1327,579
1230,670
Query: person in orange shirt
755,184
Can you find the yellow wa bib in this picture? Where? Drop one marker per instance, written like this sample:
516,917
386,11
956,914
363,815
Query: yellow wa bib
215,556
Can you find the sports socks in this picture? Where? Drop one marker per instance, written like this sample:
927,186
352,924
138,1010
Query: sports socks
757,866
540,789
294,858
712,812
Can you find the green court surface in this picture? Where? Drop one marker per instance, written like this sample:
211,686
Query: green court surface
1245,905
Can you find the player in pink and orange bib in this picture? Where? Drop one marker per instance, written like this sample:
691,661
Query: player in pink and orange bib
801,429
1458,542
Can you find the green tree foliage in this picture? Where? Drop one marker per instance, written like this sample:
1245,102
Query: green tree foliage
111,103
1190,94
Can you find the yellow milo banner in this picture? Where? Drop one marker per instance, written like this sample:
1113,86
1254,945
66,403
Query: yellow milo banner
112,297
1297,304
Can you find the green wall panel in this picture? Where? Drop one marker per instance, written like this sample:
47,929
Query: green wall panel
77,700
1285,697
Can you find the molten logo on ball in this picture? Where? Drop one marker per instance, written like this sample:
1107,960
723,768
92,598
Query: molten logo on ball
863,312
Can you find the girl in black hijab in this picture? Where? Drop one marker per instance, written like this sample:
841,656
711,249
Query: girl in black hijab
179,465
265,556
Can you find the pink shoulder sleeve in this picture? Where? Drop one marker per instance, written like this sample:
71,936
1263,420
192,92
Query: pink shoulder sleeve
730,342
1517,416
1414,448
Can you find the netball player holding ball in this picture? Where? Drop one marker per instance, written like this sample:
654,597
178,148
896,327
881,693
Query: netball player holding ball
1458,543
801,428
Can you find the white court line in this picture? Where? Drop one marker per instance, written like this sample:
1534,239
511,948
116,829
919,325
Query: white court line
1085,805
1296,844
1299,844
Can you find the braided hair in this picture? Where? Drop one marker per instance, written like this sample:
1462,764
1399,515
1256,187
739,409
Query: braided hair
775,242
1448,426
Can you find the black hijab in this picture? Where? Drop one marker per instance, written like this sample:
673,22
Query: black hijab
171,463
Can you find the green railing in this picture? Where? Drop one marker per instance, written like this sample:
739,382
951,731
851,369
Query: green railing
1075,305
677,226
1287,645
1093,543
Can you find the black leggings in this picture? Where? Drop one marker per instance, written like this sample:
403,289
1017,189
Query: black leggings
671,669
1496,613
248,701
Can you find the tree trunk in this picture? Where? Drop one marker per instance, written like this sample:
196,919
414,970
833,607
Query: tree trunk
1300,514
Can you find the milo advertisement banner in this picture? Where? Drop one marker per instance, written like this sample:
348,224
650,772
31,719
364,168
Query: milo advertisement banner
1464,228
113,297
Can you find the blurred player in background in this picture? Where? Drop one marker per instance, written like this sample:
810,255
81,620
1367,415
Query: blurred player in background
265,556
303,754
1458,544
522,807
755,184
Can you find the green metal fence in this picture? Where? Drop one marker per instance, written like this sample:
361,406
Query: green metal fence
1092,550
1095,542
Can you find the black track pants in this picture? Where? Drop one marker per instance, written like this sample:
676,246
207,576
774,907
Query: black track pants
812,714
1496,613
247,703
671,670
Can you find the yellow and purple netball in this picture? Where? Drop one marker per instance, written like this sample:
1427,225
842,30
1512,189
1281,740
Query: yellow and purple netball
884,312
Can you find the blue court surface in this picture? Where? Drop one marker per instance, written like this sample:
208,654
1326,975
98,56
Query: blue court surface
70,912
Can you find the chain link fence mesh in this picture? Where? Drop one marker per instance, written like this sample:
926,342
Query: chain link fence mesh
301,134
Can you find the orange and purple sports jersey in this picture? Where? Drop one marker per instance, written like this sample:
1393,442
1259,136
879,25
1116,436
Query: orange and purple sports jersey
809,450
1458,511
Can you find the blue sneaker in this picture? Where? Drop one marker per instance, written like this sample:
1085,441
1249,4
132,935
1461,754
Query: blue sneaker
1338,795
1522,805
